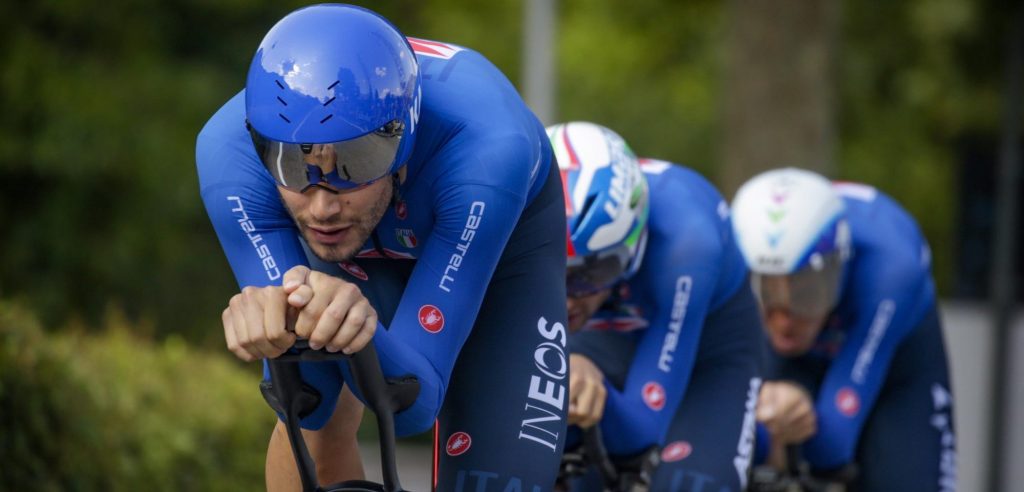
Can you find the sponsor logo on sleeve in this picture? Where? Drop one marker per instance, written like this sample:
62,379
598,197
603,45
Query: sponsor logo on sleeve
458,443
847,401
543,419
866,355
941,420
476,214
654,396
745,446
676,451
431,318
680,301
262,250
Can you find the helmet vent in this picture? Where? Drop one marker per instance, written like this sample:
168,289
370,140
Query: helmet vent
282,101
279,84
283,117
329,101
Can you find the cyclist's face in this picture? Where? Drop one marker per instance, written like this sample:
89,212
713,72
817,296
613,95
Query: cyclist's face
581,308
336,224
793,322
791,334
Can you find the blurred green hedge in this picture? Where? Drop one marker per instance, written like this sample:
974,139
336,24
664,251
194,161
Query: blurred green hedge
115,412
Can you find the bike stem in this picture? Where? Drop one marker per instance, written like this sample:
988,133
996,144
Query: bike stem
287,395
370,381
595,450
290,398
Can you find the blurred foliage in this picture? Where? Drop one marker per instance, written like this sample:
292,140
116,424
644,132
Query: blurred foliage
98,195
648,69
916,78
113,412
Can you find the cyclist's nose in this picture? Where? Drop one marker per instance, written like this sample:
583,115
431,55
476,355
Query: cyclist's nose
323,204
779,319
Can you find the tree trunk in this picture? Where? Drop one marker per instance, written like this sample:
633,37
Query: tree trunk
779,87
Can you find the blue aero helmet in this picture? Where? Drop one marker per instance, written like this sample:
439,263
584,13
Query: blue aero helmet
606,205
332,97
791,228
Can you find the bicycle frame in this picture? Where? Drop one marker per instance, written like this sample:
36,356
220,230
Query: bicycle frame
798,477
613,480
286,394
593,445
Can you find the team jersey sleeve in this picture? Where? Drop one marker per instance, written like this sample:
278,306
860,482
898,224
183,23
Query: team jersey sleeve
255,231
473,221
687,272
888,310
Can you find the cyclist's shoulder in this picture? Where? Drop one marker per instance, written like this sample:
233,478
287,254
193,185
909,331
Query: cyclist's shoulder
684,206
677,184
224,152
868,204
504,160
225,124
885,237
459,83
431,50
662,171
461,145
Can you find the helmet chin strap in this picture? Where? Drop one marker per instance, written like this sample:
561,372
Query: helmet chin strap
396,193
395,198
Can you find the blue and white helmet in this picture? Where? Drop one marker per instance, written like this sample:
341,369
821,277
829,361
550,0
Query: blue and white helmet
333,95
791,222
606,205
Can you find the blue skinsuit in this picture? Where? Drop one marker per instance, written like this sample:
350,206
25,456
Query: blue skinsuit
679,342
477,231
878,370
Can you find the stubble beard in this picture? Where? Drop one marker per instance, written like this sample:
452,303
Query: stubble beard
357,235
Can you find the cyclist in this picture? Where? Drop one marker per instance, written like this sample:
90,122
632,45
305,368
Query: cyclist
353,147
843,277
665,332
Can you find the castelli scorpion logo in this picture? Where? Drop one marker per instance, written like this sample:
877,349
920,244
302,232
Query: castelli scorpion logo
458,443
431,318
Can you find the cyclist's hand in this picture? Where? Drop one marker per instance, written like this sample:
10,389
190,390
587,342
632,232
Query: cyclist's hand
787,411
587,393
255,325
332,313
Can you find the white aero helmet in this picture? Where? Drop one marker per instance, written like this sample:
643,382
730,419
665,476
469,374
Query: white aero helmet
606,205
791,228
